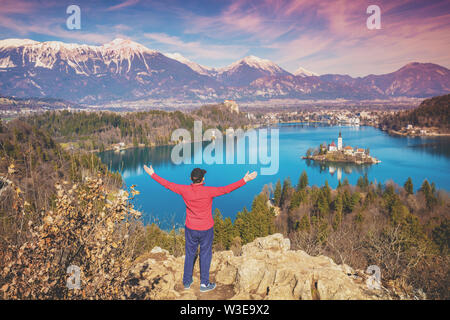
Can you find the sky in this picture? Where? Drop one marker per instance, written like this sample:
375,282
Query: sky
323,36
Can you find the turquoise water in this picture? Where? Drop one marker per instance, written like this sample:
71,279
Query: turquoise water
402,157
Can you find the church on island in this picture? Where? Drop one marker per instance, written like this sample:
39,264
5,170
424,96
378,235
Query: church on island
340,153
348,150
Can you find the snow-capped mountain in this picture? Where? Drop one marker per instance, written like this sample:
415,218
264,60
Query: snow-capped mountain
302,72
207,71
7,43
126,70
120,69
248,69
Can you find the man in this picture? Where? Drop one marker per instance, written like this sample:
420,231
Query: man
199,221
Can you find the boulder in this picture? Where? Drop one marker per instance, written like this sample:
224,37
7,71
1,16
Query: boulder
265,269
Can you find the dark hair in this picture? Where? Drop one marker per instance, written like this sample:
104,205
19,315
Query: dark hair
197,175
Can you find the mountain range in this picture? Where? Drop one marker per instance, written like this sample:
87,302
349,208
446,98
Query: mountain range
126,70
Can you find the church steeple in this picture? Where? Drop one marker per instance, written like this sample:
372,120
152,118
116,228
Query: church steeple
339,146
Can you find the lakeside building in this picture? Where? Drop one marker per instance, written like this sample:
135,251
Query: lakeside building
332,147
360,152
348,150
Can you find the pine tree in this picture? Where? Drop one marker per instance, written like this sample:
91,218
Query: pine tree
305,224
399,213
366,181
229,232
277,193
379,189
286,191
428,192
425,188
219,230
441,236
346,183
409,188
339,206
360,182
322,204
302,181
244,226
433,188
363,182
327,192
322,231
297,198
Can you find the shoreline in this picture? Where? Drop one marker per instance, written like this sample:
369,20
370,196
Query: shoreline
405,134
342,160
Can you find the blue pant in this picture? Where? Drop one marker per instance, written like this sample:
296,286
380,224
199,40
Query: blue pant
194,238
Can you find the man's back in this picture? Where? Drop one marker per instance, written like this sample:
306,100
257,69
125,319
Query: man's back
198,199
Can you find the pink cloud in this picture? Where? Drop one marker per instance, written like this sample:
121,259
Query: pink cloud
341,42
196,49
52,27
17,6
123,5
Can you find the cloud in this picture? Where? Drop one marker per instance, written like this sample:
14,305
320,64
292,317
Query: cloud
196,49
241,19
17,7
122,5
53,28
332,37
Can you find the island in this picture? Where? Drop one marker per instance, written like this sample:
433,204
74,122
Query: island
340,153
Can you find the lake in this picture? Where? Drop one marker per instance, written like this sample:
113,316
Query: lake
401,157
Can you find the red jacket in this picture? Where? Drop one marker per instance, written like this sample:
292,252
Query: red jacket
198,199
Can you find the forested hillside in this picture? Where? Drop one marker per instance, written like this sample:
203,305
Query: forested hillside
406,234
433,112
101,130
31,163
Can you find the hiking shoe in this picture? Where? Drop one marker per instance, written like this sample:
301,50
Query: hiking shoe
210,286
188,286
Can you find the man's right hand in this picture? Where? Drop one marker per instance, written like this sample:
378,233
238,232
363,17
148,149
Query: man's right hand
248,177
150,170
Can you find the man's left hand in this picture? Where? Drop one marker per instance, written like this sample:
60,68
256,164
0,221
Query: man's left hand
150,170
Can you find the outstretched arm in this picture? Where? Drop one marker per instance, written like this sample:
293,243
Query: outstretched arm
218,191
167,184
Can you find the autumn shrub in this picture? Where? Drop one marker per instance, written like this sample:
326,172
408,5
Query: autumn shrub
84,230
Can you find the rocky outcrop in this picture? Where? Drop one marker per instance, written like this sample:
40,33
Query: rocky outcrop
265,269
